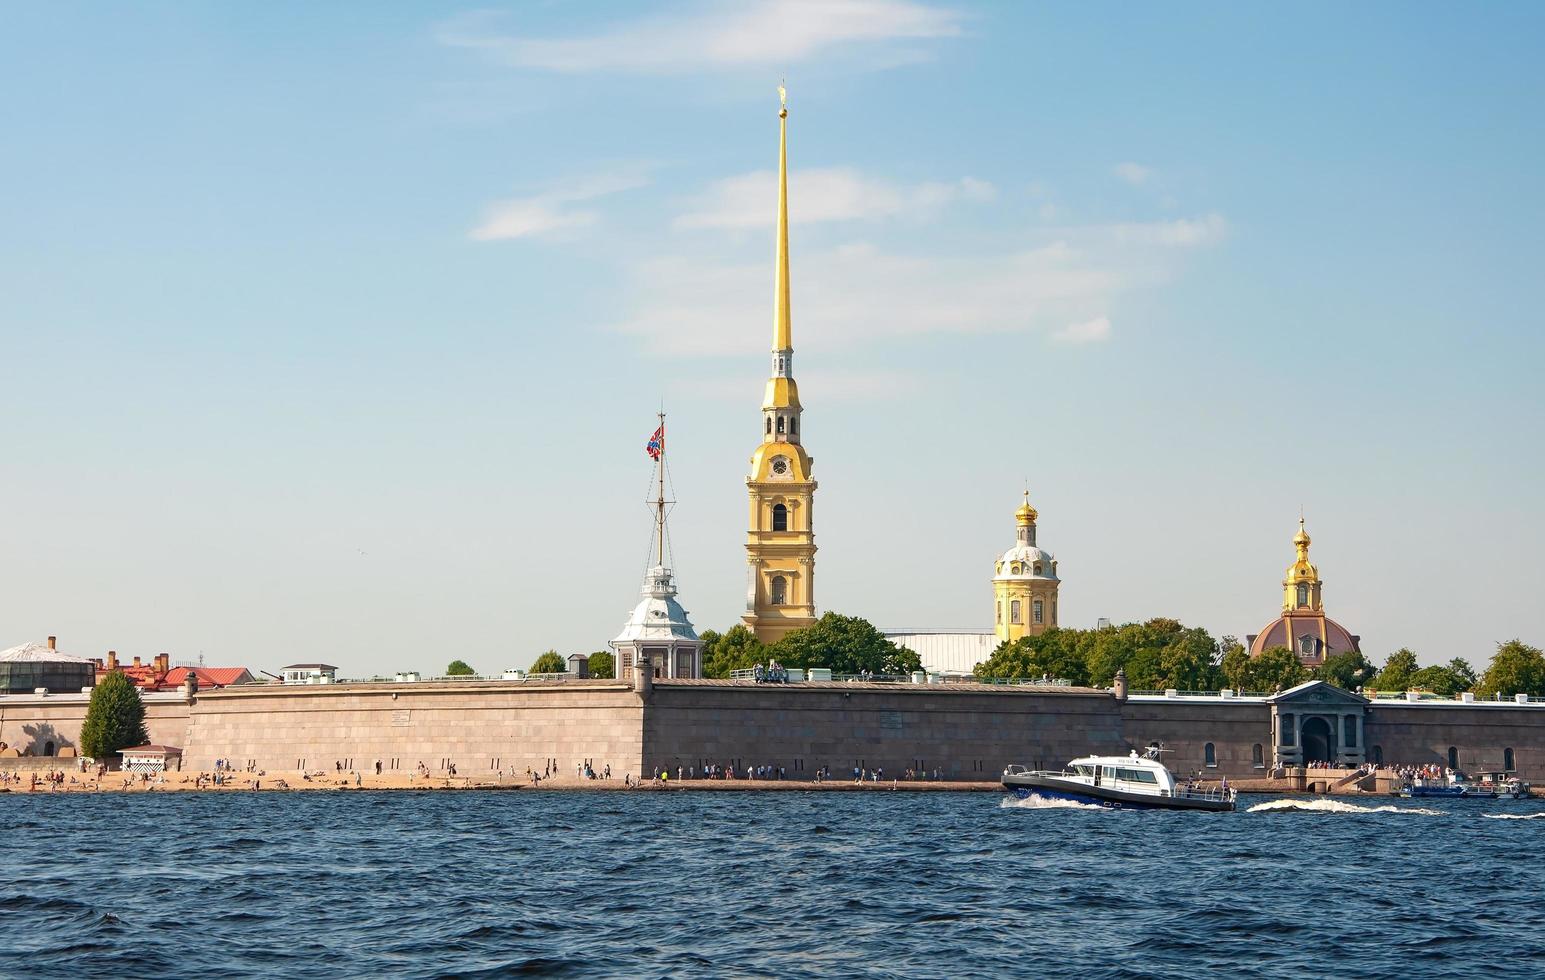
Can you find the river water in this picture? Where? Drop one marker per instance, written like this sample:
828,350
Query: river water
484,884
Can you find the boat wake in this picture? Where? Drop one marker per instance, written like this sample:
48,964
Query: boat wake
1334,806
1035,802
1514,816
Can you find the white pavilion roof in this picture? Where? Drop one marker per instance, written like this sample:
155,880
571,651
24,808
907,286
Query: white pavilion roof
38,653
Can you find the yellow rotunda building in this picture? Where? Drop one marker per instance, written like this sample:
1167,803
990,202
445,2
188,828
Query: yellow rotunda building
1025,582
780,545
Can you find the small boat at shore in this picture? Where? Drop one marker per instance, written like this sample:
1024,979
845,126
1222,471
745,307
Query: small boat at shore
1455,785
1130,782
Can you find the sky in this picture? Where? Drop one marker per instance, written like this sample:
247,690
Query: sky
336,331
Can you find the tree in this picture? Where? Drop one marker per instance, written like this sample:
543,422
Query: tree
550,662
460,668
115,718
736,649
1235,666
1276,667
1348,670
1461,669
1187,662
846,644
1439,679
1397,672
603,664
1516,668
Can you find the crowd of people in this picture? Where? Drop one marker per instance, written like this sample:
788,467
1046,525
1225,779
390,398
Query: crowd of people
771,672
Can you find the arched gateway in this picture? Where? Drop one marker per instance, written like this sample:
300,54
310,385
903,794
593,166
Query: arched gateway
1318,722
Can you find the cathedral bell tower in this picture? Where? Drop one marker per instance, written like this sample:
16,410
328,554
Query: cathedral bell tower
1025,582
780,546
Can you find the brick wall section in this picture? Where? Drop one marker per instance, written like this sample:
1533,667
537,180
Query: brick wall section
1421,734
967,731
478,726
28,722
1233,727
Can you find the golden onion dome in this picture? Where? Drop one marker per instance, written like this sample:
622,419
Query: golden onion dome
1025,514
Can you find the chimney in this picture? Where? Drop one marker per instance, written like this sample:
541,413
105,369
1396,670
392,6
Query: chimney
53,642
136,661
163,662
112,660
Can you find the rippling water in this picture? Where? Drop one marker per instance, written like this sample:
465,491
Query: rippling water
786,884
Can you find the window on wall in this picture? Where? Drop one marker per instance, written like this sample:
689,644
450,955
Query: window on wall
769,426
1054,612
1378,755
780,425
1306,645
1037,568
1303,595
1507,760
1035,610
1349,732
780,517
779,590
1210,755
1015,615
999,618
1453,757
793,427
1258,756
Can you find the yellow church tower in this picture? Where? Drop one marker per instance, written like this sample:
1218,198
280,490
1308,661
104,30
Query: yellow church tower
780,547
1025,582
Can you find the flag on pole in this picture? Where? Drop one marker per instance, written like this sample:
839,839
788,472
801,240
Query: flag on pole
656,447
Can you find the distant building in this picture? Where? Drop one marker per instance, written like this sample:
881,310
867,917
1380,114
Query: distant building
209,677
310,674
1303,626
1025,582
33,666
946,651
145,676
151,758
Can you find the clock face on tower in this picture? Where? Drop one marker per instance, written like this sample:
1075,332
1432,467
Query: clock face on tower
779,467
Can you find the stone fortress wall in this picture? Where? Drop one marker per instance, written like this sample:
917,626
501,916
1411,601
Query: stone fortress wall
966,731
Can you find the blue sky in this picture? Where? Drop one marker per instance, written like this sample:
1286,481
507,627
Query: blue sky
336,331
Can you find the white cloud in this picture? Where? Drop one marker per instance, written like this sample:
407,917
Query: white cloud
860,295
1088,332
824,194
1180,233
1133,173
551,210
768,33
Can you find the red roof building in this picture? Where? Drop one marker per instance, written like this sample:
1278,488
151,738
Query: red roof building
209,676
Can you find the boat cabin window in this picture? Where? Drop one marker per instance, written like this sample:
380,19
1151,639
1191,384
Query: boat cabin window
1084,770
1137,775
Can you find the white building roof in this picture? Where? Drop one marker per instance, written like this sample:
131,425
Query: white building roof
38,653
659,616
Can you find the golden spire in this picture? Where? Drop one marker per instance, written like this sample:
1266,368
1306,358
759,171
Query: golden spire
782,332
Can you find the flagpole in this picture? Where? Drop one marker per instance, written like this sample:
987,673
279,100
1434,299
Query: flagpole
660,500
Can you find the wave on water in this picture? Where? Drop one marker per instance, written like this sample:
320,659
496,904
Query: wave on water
1514,816
1035,802
1334,806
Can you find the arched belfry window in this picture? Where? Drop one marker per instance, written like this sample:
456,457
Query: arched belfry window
780,425
780,517
779,589
769,425
1016,614
1303,594
793,426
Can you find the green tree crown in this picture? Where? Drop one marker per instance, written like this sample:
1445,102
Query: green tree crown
603,664
460,668
847,645
1516,668
551,662
115,718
